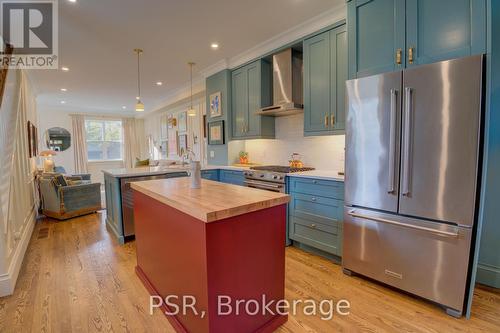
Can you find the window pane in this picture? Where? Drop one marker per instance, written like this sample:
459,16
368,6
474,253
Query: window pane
113,131
95,151
94,130
113,150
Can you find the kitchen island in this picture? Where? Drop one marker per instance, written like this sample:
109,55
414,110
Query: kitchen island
221,240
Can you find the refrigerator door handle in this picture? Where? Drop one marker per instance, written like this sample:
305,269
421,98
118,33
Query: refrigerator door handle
404,225
392,140
407,142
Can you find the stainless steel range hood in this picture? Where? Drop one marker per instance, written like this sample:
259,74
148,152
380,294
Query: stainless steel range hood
287,85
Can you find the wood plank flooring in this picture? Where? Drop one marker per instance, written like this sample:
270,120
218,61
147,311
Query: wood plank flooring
77,278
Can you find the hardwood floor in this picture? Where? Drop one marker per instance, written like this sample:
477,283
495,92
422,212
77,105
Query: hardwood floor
76,278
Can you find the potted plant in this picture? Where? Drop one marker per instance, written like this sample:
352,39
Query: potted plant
243,157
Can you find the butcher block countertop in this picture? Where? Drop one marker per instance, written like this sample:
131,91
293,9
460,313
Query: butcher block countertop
213,201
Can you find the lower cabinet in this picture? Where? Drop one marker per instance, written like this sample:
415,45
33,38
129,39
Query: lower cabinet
232,177
315,213
210,175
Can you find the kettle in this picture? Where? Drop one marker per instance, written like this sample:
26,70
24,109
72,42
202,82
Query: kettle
295,161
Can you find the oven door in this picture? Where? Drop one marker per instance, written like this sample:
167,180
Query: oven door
263,185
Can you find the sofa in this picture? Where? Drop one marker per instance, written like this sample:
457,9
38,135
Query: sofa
65,197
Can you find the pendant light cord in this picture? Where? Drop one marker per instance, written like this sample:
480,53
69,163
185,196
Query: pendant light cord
191,77
138,75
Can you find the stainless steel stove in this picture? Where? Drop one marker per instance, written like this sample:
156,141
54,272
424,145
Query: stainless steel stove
271,177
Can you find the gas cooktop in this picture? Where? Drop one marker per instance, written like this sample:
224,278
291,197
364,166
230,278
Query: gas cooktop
280,169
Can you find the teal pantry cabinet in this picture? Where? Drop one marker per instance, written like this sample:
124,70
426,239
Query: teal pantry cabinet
315,213
325,73
388,35
251,90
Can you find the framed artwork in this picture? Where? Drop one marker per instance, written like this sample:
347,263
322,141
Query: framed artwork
172,122
215,105
32,140
216,132
183,143
183,121
204,125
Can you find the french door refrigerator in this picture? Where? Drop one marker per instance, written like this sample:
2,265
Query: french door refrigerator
413,141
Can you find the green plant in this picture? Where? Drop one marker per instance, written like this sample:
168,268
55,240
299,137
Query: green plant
243,154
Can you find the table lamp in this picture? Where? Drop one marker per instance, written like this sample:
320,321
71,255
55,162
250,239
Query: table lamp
48,163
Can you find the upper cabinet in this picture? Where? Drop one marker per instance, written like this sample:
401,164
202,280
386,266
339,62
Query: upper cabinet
387,35
325,73
251,90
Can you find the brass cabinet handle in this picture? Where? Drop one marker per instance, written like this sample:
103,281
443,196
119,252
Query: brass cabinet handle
333,120
326,120
399,53
313,198
313,226
410,54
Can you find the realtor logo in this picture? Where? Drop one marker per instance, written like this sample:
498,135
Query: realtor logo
31,28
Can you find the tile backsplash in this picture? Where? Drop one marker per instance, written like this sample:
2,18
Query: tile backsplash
320,152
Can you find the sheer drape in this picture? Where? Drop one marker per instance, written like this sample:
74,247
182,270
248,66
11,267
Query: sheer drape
79,144
132,134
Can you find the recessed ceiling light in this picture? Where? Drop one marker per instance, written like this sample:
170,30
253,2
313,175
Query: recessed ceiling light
159,83
72,0
214,46
64,89
63,102
65,69
124,107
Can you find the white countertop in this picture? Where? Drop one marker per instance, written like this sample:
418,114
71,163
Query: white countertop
151,171
319,174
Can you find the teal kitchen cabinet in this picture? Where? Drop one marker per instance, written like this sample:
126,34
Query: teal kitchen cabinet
250,91
388,35
444,29
210,174
376,36
232,177
315,213
325,73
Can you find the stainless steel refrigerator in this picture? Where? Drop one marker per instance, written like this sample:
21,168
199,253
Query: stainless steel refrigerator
413,142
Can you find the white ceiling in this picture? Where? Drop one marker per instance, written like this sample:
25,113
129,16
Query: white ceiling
96,39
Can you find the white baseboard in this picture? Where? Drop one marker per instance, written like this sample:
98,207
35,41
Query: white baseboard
9,279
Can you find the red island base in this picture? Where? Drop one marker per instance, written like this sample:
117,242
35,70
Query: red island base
241,257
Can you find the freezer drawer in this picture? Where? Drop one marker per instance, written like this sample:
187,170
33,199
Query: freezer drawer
427,259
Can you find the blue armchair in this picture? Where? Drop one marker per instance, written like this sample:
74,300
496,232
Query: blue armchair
67,197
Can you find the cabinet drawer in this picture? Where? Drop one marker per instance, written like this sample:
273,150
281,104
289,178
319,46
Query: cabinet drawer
324,188
319,236
316,209
210,174
232,177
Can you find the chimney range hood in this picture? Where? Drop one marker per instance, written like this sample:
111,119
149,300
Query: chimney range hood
287,85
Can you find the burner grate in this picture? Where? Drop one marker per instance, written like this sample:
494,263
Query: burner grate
280,169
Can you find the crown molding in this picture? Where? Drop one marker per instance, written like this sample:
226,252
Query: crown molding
325,19
302,30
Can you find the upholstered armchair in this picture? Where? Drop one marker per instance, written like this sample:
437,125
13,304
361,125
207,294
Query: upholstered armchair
67,197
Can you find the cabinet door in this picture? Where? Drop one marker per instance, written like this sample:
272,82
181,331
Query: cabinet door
444,29
239,98
338,58
376,36
252,121
317,83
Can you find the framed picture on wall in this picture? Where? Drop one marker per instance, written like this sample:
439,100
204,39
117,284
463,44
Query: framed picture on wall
215,105
32,140
216,132
183,121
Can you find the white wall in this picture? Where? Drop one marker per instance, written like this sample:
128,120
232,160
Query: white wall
18,194
320,152
194,125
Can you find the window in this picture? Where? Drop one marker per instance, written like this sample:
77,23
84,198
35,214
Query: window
104,139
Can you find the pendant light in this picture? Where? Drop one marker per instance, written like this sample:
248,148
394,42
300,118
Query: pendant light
191,112
139,106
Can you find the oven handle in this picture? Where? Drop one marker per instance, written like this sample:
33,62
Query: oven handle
248,182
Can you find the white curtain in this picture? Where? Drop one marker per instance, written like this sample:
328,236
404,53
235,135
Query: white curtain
133,130
79,144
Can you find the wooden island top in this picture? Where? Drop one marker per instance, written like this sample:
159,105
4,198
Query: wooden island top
213,201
